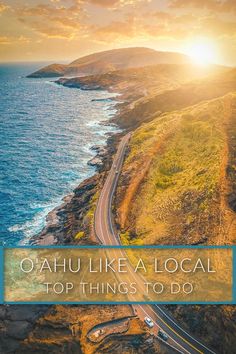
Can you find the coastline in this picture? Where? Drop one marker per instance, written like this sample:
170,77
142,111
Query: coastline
71,217
66,219
62,223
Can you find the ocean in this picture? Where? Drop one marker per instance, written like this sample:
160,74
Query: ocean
46,133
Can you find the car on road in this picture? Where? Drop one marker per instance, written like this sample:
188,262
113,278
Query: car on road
163,335
117,172
148,322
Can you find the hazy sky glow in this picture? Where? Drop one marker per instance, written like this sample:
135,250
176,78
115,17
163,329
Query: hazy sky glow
63,30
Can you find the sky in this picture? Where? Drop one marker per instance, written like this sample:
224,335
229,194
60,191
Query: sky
64,30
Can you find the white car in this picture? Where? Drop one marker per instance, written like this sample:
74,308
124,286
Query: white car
148,322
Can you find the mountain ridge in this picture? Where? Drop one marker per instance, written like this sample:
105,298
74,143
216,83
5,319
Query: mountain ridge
111,60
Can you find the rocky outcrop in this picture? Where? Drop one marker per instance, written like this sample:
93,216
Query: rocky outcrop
53,70
139,343
97,160
15,324
216,325
81,83
68,219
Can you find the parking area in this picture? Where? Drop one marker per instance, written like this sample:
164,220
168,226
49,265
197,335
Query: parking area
99,332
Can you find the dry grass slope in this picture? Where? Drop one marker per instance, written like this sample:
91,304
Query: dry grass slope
173,177
178,187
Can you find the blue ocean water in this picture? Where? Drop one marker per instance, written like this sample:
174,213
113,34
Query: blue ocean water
46,133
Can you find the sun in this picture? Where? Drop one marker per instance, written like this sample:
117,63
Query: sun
202,52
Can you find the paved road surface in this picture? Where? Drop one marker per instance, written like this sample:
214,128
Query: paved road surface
105,231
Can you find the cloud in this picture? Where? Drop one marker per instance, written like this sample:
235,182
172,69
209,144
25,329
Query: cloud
152,25
73,20
4,40
7,40
3,7
218,27
67,19
116,30
53,20
227,6
190,23
212,5
159,25
160,15
105,3
114,4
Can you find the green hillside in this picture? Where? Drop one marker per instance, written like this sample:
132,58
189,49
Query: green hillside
176,173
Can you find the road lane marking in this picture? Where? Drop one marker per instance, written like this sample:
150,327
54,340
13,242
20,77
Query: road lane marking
107,193
185,340
179,345
183,330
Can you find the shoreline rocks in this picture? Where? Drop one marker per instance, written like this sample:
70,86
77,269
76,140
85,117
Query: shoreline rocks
69,218
95,161
16,321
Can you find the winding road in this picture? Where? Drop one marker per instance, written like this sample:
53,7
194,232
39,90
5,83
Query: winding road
105,231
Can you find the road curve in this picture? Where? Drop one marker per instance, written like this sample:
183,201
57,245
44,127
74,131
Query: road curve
105,231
